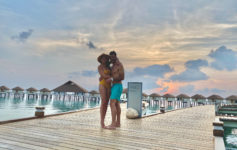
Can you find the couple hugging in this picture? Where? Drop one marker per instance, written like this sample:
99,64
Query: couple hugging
110,87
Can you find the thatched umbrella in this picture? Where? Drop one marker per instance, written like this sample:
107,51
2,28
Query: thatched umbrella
44,90
70,86
144,94
18,89
215,97
4,88
232,98
169,96
31,90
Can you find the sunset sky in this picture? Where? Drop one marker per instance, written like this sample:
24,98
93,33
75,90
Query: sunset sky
171,46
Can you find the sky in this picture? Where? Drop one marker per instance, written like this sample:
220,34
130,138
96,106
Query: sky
172,46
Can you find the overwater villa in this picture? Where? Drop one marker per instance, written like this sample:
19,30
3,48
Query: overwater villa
18,92
215,99
4,92
231,99
145,97
169,97
198,99
155,97
94,95
184,99
32,93
45,93
70,91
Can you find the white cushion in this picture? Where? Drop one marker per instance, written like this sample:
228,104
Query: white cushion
132,113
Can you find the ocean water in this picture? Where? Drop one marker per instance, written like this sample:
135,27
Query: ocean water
230,138
21,108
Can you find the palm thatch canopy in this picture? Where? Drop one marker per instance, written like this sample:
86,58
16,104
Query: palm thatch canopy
94,92
70,86
144,94
215,97
232,97
125,90
31,89
4,88
198,96
168,96
17,89
183,96
45,90
154,95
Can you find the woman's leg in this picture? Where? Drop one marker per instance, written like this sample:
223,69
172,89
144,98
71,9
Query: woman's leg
104,104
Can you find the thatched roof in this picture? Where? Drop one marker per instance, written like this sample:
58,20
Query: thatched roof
215,97
94,92
198,96
183,96
17,89
4,88
44,90
144,94
125,90
232,97
168,96
154,95
31,89
70,87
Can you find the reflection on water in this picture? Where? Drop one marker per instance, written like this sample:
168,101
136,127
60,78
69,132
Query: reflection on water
230,138
20,108
154,107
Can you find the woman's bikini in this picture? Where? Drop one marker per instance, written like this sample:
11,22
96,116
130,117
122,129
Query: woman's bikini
103,82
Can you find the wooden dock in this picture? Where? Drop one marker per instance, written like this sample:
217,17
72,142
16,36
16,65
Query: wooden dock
189,128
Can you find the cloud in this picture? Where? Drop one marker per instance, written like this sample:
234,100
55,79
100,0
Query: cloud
192,72
196,64
224,59
84,73
187,89
153,70
210,91
23,36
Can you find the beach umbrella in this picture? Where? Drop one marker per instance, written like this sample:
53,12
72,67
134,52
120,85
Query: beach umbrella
215,97
198,96
144,94
70,86
181,96
94,92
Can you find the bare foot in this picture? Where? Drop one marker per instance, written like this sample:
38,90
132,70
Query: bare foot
118,125
110,127
102,126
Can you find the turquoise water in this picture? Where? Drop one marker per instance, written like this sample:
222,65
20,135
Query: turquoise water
155,108
21,108
230,138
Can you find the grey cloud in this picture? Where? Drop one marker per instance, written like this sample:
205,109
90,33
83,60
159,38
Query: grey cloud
153,70
23,36
85,73
192,72
187,89
224,59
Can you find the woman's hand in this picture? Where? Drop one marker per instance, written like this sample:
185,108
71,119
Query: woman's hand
109,80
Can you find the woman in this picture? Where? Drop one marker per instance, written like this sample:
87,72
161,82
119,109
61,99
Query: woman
104,85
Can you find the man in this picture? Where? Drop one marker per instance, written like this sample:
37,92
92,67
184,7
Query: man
116,90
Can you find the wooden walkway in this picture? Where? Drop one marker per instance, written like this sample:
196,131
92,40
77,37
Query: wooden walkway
189,128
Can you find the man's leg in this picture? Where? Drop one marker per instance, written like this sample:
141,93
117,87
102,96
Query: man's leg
118,114
113,113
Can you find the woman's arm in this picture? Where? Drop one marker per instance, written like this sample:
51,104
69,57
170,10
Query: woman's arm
102,74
